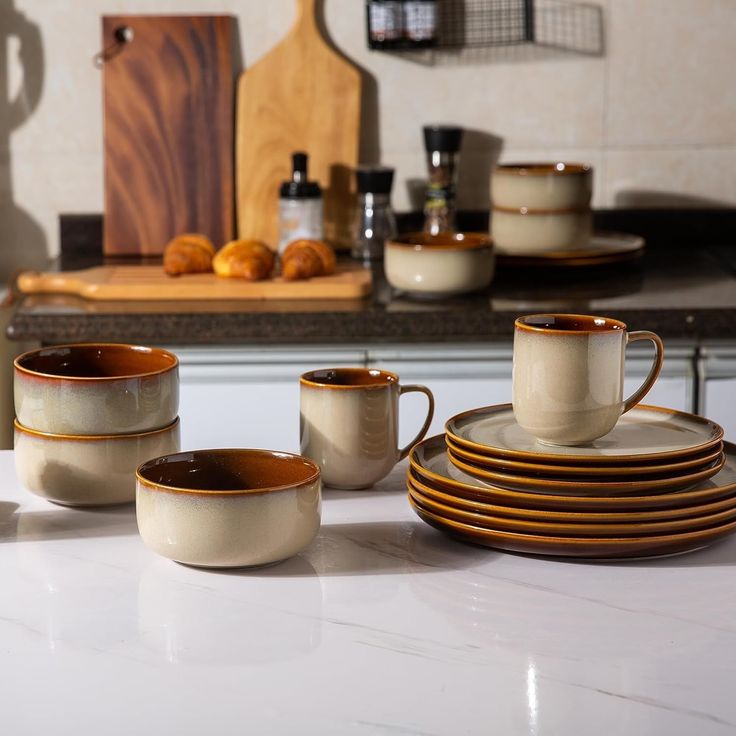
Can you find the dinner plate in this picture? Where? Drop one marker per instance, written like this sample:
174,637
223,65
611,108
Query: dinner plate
570,472
566,546
585,487
604,247
645,434
567,517
552,528
429,460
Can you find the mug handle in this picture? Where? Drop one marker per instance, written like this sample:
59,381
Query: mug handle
430,414
634,399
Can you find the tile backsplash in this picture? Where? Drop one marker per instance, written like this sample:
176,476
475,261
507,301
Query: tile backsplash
655,113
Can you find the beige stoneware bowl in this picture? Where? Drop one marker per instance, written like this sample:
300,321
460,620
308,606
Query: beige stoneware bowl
440,265
530,233
95,470
228,508
96,389
542,186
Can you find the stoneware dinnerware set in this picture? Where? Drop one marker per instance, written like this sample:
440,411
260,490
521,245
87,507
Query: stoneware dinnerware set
571,468
541,215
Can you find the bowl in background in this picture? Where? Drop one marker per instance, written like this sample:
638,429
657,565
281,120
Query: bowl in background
542,186
93,470
439,265
522,232
228,508
96,389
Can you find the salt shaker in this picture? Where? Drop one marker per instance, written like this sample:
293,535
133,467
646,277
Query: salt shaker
374,221
300,205
443,145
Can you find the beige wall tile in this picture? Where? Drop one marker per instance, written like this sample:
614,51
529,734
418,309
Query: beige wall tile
671,65
673,177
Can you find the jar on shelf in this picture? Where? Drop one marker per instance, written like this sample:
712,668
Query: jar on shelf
420,23
385,23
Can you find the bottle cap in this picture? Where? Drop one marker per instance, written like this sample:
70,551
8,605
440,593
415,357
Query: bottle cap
374,179
299,187
444,138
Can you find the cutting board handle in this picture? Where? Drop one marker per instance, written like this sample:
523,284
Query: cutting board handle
306,14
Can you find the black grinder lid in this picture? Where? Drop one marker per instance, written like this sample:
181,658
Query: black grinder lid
299,187
374,179
443,138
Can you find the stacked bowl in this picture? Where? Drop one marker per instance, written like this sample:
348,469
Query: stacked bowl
661,482
88,415
541,208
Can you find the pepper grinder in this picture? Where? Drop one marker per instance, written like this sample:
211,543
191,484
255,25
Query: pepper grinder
374,222
443,145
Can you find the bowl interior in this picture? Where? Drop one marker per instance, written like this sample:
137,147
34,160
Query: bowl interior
464,241
97,361
229,470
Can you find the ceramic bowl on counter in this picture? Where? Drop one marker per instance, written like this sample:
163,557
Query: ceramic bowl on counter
228,508
96,389
542,186
440,265
93,470
523,232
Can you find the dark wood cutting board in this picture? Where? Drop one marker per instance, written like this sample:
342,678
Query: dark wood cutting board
168,133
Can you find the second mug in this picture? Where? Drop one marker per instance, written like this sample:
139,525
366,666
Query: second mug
349,423
568,376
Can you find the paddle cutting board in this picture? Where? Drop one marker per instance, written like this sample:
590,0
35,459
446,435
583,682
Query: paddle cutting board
168,133
301,96
149,283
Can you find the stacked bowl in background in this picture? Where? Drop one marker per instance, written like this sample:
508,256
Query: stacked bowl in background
88,415
541,207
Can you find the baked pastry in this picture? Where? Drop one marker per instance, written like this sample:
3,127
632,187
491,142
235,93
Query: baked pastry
188,253
304,259
246,259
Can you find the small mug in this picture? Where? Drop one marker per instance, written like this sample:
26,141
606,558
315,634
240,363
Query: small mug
349,422
568,376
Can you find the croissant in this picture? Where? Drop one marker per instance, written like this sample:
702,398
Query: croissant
303,259
188,253
246,259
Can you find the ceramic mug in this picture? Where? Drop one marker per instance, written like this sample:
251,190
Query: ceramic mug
568,376
349,423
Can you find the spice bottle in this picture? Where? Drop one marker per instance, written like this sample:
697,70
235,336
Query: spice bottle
442,144
385,23
300,205
420,23
374,221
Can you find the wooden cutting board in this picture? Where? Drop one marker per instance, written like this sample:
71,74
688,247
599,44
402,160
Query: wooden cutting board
149,283
168,134
301,96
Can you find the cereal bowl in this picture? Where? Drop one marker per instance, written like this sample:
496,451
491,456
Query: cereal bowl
524,232
92,470
542,186
228,508
439,265
96,389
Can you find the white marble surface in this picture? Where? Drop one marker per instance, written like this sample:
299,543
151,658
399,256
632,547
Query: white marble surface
383,626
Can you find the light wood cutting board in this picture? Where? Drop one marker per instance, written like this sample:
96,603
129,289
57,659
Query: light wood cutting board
150,283
301,96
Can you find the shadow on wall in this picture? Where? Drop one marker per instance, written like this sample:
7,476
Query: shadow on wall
22,240
654,199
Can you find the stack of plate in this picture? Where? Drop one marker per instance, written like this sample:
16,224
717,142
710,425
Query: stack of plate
661,482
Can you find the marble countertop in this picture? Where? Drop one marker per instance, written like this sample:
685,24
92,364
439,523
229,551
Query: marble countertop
684,293
383,626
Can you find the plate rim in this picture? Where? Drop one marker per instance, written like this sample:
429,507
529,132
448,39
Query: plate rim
591,459
634,244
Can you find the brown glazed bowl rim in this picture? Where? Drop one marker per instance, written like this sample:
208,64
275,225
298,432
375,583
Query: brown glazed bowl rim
419,241
544,168
385,378
276,456
156,353
589,324
93,437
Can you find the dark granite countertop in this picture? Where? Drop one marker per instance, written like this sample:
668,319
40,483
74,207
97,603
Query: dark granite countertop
681,291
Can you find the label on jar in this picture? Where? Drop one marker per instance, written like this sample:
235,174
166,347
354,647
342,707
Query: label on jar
385,21
420,20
